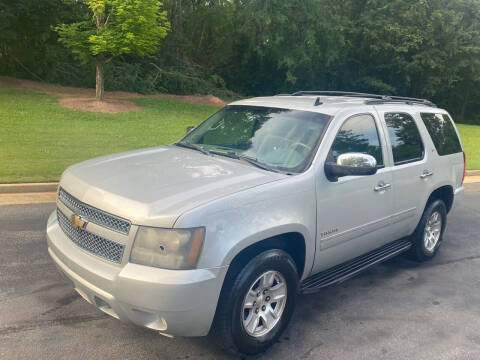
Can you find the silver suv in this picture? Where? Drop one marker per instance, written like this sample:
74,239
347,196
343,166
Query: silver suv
267,198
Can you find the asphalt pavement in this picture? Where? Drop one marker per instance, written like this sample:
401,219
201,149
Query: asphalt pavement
396,310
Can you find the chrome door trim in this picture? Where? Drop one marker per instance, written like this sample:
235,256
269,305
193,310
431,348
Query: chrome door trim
352,233
404,214
347,235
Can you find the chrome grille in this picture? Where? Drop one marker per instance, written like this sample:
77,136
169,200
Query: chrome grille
92,243
94,215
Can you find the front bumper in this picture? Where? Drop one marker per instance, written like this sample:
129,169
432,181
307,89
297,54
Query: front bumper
174,302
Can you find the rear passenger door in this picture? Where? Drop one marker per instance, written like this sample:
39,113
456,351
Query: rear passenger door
411,171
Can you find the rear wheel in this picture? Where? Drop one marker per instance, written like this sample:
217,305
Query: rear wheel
429,233
258,304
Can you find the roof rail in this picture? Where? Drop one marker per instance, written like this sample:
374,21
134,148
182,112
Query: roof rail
396,100
376,99
337,93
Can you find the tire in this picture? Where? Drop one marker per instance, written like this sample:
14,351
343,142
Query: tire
228,327
422,249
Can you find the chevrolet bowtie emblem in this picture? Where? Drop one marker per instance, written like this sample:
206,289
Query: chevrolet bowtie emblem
77,221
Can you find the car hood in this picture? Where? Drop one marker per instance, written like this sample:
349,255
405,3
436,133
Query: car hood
156,185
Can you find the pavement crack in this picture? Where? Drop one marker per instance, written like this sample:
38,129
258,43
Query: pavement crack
50,287
64,301
39,324
309,352
448,262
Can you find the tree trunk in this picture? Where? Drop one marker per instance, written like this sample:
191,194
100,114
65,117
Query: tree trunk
99,93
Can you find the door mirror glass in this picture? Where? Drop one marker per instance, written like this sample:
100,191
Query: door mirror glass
351,164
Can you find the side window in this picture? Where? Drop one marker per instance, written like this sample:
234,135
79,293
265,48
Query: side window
442,132
358,134
407,145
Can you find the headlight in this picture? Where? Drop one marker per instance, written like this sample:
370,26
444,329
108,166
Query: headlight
177,249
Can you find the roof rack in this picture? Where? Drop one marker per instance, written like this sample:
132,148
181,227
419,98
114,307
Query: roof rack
374,99
337,93
396,100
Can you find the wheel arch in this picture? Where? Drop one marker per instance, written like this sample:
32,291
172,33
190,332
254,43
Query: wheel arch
444,193
293,243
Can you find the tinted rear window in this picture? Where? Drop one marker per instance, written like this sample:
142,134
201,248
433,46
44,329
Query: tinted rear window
442,132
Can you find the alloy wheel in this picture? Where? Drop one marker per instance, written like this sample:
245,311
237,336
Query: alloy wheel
433,229
264,303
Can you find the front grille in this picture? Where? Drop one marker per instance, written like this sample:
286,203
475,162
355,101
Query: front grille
94,215
92,243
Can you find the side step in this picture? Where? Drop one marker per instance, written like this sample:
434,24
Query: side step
352,267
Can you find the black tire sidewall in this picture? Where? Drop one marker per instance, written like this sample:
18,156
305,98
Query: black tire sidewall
276,260
419,245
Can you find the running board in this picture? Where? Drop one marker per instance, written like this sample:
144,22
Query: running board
352,267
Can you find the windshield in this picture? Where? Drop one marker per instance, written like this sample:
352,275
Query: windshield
280,139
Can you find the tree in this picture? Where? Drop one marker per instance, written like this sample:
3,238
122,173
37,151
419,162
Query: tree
26,35
420,48
117,27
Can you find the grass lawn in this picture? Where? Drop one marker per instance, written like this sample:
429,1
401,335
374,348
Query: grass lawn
470,135
39,138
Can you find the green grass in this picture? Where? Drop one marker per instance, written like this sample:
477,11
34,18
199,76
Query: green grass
470,135
39,138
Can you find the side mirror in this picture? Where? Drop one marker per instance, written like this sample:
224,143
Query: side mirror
353,164
189,128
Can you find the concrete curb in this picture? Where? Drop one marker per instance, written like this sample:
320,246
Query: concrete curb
52,186
472,173
28,188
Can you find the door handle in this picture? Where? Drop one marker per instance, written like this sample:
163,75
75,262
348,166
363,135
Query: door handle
382,186
426,173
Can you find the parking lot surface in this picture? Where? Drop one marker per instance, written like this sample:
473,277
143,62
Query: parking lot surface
396,310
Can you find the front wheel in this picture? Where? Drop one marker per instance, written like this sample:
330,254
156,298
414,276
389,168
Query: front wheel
257,306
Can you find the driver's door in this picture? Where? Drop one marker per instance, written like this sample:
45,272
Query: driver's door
354,212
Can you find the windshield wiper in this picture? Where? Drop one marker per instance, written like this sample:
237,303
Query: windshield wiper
230,154
193,147
256,163
250,160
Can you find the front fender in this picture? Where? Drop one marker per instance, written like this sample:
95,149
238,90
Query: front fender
242,219
270,233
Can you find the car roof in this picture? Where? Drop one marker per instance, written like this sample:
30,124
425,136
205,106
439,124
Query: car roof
331,105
